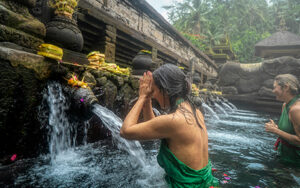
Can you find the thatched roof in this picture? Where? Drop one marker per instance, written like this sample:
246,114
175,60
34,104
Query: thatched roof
282,43
281,38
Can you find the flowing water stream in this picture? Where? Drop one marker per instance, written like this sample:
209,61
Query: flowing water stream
238,147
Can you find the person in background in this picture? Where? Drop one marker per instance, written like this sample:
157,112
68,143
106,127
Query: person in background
184,143
286,89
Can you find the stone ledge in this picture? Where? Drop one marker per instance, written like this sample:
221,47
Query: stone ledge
8,34
28,60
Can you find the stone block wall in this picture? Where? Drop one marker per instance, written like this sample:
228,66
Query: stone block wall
142,18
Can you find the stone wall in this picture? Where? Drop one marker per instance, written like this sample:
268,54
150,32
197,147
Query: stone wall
143,20
24,77
253,83
258,77
22,80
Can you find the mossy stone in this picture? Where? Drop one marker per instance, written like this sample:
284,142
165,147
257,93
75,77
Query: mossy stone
101,81
89,78
135,83
110,90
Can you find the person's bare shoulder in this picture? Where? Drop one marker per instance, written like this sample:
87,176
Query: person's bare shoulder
177,118
295,106
295,113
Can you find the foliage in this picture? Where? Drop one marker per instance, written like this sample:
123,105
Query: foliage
243,45
246,22
197,40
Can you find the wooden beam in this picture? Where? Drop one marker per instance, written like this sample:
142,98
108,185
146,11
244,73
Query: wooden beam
120,60
161,55
93,22
134,41
124,56
124,53
124,46
138,46
128,45
90,32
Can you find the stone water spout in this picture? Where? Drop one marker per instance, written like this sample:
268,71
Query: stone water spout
83,100
211,99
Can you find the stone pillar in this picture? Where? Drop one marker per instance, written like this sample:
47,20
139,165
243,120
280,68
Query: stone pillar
192,66
154,54
110,43
158,62
193,61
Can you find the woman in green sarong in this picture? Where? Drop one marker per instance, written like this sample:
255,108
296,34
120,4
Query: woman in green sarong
184,147
286,89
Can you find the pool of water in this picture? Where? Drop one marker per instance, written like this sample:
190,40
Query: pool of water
99,164
238,147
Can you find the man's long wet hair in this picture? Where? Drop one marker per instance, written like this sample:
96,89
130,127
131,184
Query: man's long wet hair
171,80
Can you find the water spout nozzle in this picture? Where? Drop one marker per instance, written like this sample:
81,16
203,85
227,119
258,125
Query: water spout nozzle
84,100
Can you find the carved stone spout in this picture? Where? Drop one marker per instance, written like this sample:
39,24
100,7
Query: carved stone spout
83,100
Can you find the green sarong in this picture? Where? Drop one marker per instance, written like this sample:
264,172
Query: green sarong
180,175
288,152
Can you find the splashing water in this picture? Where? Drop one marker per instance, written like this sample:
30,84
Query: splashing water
226,106
232,105
62,135
86,127
220,109
90,165
209,110
114,123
